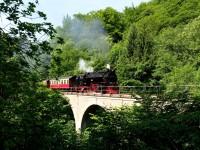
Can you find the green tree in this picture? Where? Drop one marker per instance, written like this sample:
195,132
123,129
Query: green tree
65,59
153,125
117,50
136,60
32,117
40,121
99,62
20,48
113,22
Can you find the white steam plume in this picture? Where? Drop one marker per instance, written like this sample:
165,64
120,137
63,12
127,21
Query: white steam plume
84,66
89,35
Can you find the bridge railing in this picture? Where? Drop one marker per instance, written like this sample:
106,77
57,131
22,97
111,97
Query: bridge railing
134,91
115,91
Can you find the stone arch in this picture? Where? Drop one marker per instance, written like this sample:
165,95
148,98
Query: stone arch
76,118
92,109
83,105
72,113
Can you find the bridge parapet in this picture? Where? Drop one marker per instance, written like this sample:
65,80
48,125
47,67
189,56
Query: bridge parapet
104,95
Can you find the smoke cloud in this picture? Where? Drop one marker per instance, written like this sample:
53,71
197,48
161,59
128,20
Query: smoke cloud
84,66
88,35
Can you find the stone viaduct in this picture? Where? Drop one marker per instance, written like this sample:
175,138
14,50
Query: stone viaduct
82,105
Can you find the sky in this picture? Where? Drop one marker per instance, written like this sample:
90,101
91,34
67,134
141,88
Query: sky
57,9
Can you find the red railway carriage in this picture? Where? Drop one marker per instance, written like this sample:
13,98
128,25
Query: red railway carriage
61,83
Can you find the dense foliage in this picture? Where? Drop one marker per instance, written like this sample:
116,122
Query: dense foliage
42,120
31,116
158,124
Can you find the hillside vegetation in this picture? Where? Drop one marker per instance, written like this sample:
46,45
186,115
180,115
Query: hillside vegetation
156,43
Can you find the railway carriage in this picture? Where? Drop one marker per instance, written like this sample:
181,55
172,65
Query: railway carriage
61,83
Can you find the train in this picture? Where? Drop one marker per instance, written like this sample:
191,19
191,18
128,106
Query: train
104,81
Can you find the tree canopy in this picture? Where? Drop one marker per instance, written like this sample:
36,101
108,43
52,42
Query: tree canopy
31,116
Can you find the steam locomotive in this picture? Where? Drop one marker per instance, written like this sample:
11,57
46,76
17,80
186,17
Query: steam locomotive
100,82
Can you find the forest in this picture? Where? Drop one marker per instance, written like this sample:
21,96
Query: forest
154,44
